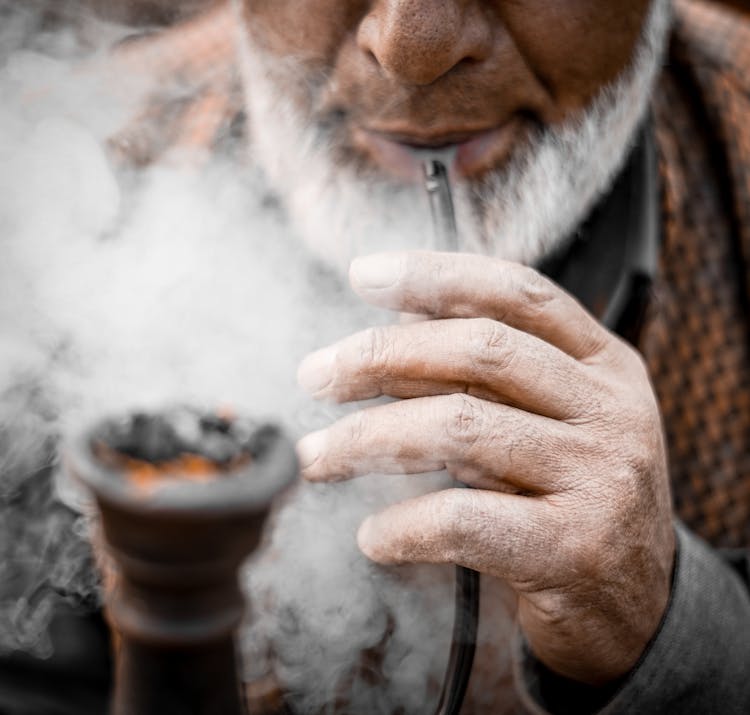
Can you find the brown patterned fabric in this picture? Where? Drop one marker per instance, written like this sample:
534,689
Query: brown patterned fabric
697,342
190,86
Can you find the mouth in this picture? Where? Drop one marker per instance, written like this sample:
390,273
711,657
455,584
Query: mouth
400,151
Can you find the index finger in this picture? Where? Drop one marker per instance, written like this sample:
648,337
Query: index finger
461,285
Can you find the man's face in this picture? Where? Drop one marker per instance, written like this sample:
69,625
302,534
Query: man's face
538,99
479,74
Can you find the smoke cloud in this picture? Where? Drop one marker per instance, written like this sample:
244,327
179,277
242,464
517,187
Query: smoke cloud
123,288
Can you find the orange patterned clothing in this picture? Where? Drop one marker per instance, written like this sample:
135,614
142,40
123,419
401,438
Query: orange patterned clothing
697,343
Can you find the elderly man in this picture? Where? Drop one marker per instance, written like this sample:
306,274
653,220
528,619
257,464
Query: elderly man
511,384
582,362
569,155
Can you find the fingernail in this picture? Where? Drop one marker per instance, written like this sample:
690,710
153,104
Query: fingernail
316,371
376,272
310,447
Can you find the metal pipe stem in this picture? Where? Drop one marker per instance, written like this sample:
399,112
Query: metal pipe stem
441,204
466,615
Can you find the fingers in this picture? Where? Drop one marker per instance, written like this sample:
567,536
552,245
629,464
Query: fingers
450,285
506,535
483,444
480,357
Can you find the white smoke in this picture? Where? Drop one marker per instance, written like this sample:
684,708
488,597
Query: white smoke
124,290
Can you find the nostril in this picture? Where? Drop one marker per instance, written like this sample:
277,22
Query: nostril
371,58
468,62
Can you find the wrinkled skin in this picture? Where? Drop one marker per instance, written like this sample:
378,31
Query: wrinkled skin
520,393
511,385
425,72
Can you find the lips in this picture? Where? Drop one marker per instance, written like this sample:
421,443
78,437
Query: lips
400,152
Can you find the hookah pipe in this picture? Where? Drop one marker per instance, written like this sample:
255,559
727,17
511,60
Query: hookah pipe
466,611
178,543
179,516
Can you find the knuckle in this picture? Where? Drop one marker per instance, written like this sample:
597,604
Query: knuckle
356,428
643,457
637,419
586,554
376,347
539,294
468,513
535,290
629,415
593,342
586,447
587,548
460,517
444,511
437,268
627,360
446,276
412,262
637,364
489,344
464,420
549,609
599,402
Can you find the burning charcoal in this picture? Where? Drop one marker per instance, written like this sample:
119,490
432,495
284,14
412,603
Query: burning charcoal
242,430
155,438
186,425
219,448
175,601
260,439
150,438
215,423
181,441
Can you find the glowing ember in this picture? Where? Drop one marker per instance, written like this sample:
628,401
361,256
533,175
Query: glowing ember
182,443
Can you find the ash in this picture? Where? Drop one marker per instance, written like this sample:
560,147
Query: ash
164,436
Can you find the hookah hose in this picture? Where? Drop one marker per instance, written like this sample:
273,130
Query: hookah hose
463,644
466,611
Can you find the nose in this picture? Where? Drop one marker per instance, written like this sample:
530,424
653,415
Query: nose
418,41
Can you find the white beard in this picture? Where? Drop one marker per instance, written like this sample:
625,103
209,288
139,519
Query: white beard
521,213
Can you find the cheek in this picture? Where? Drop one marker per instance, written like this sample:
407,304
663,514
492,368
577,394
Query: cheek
603,35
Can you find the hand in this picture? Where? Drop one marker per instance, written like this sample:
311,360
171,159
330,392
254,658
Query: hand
517,391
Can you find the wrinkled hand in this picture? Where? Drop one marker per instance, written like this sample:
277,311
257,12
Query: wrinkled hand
517,391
